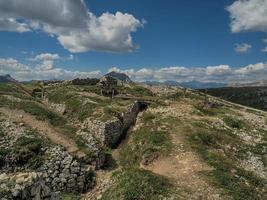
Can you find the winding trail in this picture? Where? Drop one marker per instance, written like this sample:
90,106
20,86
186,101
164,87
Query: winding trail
186,169
44,129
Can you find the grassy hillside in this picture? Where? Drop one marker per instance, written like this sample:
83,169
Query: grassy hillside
255,97
185,145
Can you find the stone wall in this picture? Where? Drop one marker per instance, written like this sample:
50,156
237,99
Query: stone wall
109,133
62,172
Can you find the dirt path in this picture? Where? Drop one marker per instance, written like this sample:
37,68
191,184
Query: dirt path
186,169
43,128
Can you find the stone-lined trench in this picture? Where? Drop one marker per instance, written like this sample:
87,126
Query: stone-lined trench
63,172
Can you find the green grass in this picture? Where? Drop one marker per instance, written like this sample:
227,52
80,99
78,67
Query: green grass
138,184
69,196
145,144
60,95
148,116
135,90
213,111
40,112
27,152
234,122
35,109
8,88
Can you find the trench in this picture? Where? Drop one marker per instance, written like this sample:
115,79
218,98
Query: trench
104,174
112,159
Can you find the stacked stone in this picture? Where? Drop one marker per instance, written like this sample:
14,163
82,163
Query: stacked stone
110,132
63,173
98,155
24,186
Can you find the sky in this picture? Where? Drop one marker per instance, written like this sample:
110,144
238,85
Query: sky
187,40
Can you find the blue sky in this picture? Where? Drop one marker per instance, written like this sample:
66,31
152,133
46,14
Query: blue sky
163,34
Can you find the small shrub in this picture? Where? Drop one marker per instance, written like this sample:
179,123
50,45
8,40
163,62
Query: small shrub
27,150
3,153
233,122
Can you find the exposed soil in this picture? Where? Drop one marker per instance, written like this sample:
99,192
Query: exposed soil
186,169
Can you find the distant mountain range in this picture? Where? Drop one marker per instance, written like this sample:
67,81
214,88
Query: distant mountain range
190,84
7,79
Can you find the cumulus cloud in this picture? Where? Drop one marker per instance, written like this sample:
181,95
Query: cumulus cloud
46,60
24,72
248,15
12,65
242,48
10,24
220,73
76,28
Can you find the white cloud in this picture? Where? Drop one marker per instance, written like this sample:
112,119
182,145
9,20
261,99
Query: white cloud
76,28
248,15
12,65
71,57
47,56
242,48
264,49
220,73
10,24
23,72
47,60
256,68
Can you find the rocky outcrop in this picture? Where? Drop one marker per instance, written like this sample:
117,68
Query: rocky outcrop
59,108
110,132
24,186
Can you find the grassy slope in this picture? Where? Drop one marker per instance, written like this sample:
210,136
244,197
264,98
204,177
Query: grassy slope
249,96
222,147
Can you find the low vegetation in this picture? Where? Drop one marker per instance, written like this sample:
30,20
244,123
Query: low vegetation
28,152
248,96
217,148
138,184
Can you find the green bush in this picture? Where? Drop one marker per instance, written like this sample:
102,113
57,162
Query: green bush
233,122
27,151
3,153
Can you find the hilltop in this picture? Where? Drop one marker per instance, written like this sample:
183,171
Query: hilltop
87,139
120,76
6,79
